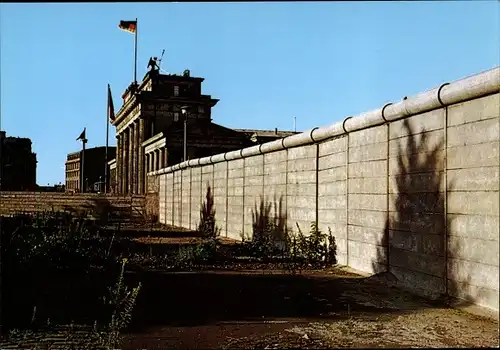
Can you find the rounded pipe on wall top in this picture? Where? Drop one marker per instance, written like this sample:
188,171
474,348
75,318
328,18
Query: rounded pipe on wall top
298,139
446,94
311,134
327,132
343,124
439,93
364,121
273,146
421,103
250,151
233,155
218,158
204,160
382,112
471,87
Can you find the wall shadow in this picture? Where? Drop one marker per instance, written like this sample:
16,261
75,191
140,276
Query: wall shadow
415,240
191,299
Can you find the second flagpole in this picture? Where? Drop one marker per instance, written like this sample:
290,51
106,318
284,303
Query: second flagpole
135,51
107,145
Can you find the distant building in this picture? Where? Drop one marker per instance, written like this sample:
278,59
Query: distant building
17,164
94,164
150,129
54,188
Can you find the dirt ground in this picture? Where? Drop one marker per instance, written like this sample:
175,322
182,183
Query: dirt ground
252,309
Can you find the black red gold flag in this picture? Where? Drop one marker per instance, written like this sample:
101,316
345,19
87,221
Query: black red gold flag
128,26
111,107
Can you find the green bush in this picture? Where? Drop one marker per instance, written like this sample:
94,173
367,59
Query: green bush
194,255
38,250
122,301
315,250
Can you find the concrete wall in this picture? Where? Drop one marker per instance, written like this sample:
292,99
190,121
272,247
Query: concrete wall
412,187
128,208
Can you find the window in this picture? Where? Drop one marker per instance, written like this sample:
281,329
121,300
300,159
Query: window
176,117
176,90
200,109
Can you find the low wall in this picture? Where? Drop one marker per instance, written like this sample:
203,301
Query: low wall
412,187
130,207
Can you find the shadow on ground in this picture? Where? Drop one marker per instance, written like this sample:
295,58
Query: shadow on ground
194,299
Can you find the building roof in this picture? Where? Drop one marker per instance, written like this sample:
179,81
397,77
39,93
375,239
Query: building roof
77,153
267,133
206,129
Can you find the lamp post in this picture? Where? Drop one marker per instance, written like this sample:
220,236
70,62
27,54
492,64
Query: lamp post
185,113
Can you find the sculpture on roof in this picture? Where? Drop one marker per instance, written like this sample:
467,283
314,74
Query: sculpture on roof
153,64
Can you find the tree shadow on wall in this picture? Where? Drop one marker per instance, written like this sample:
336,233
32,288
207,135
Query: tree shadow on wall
415,244
207,226
269,219
269,235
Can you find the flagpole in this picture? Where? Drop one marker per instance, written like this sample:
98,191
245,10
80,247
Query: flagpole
106,151
135,52
82,170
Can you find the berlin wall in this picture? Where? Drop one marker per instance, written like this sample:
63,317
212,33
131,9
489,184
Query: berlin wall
411,187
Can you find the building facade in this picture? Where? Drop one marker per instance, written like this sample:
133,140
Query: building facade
94,164
73,180
17,164
151,123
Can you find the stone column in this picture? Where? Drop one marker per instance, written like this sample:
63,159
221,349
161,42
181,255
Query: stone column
153,161
160,161
165,157
142,160
125,167
146,170
136,156
118,172
131,158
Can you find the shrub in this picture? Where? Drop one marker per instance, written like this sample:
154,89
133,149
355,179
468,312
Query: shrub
315,250
122,301
193,255
40,250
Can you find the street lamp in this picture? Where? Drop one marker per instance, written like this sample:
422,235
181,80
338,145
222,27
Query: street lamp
185,113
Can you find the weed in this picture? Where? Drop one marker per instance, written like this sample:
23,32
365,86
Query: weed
315,250
122,300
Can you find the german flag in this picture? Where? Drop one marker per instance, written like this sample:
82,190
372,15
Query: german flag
128,26
111,108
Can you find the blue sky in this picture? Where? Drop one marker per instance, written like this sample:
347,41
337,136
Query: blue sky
266,62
